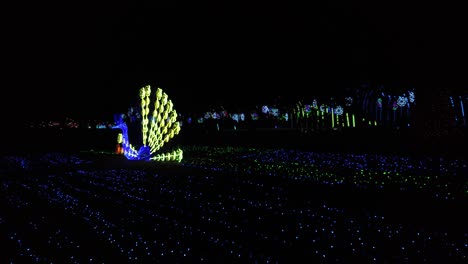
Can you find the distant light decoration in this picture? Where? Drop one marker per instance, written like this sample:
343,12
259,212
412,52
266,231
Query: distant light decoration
395,105
379,102
242,116
333,118
338,110
225,113
254,115
411,96
402,101
349,101
274,112
286,117
208,115
163,126
462,108
200,120
235,117
308,108
189,120
216,115
323,108
452,103
314,104
265,109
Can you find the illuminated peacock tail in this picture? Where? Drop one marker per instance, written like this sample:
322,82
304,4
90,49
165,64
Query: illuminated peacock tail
157,129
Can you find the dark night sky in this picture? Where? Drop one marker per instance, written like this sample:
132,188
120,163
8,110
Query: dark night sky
91,60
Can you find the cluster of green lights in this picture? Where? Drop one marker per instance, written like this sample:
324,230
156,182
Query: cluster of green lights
320,170
325,117
175,155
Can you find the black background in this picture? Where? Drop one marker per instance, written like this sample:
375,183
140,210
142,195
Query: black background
88,60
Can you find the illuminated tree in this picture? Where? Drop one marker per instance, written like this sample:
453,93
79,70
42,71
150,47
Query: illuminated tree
156,129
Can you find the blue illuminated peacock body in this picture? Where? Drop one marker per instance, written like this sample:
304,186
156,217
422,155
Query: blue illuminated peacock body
157,128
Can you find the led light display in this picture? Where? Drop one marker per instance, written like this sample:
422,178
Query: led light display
411,97
235,117
314,104
379,102
274,112
402,101
157,128
254,116
338,110
323,108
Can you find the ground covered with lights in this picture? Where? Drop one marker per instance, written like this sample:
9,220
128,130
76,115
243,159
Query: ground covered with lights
234,204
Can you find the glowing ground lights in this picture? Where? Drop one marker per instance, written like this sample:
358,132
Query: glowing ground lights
241,205
156,129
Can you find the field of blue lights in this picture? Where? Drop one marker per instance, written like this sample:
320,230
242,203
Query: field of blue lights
233,204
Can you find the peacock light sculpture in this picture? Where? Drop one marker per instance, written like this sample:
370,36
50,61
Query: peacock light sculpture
156,129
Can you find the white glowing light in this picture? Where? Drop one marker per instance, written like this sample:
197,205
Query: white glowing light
338,110
402,101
